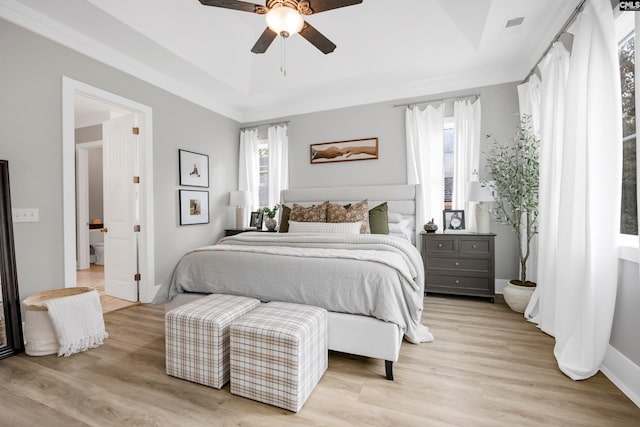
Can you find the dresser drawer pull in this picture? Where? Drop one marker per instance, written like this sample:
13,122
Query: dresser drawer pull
439,245
474,246
457,282
457,263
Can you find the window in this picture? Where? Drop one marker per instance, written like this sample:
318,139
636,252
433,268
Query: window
263,189
629,206
449,144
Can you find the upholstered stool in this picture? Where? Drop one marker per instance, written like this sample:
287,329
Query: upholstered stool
197,337
279,353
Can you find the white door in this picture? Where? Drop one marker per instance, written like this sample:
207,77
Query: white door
120,165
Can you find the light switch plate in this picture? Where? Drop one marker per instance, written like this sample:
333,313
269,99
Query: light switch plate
26,215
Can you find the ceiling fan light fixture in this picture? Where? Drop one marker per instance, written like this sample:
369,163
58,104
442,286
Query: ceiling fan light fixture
284,21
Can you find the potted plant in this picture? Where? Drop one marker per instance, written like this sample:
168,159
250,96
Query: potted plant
514,169
270,213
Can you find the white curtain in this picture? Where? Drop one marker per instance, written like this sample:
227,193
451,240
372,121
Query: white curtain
425,162
278,162
249,165
554,69
529,102
588,220
466,155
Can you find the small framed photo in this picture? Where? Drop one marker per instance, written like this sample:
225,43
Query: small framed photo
194,169
194,207
453,220
256,220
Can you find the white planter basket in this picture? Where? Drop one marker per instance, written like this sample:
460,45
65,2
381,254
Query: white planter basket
517,297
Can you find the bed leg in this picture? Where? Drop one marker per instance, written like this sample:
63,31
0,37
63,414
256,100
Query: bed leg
388,369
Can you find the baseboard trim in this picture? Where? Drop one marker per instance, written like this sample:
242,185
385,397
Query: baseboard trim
623,373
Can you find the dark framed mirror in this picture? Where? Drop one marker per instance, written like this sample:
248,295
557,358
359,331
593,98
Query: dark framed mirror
11,339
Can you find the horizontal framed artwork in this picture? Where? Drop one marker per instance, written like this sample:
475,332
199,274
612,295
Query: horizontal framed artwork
194,207
194,169
342,151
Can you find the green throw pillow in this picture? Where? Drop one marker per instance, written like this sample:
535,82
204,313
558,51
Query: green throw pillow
378,219
284,219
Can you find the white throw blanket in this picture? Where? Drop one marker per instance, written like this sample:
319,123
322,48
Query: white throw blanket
78,322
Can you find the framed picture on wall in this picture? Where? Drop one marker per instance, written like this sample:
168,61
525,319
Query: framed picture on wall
194,169
453,220
342,151
194,207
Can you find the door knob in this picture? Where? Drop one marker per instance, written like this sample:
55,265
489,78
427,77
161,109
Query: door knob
104,230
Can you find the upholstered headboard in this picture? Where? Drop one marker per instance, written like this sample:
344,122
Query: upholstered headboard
401,199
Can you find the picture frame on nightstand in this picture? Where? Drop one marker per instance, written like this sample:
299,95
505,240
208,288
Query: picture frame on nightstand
453,220
256,220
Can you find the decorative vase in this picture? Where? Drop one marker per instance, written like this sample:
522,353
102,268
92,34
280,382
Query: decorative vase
271,224
517,297
430,227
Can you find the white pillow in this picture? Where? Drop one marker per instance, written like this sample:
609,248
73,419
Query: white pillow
325,227
394,217
401,229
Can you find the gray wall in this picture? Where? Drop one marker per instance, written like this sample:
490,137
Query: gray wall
31,139
382,120
624,335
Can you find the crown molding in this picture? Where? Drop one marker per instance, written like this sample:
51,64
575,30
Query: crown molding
51,29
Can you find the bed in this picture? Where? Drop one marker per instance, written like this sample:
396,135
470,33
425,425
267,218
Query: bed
372,285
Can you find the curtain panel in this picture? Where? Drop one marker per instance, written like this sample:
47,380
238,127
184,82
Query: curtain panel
589,210
554,70
278,162
249,165
466,154
529,103
425,156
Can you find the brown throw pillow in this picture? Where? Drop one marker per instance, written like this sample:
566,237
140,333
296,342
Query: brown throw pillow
315,213
354,213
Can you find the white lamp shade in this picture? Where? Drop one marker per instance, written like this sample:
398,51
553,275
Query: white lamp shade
239,198
479,193
284,21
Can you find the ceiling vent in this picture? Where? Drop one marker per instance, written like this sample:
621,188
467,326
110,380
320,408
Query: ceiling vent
514,22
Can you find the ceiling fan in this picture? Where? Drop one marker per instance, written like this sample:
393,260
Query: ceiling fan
284,18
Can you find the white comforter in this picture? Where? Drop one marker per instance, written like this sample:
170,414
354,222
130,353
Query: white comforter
372,275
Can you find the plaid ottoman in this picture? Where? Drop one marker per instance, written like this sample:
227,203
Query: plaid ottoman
279,353
197,337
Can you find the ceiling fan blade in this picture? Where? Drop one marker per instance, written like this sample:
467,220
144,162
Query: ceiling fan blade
233,4
265,40
318,6
314,37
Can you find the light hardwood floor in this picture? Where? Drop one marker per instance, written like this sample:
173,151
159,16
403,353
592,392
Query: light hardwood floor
93,277
486,367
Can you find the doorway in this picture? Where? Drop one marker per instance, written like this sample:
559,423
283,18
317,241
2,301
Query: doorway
90,201
76,239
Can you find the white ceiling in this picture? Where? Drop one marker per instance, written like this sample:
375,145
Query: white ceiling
386,50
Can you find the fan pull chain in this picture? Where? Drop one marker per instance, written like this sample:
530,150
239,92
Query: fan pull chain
283,57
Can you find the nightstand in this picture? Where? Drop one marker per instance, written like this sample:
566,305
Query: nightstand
234,231
459,264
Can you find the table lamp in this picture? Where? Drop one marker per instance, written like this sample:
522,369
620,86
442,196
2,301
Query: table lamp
240,199
480,193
